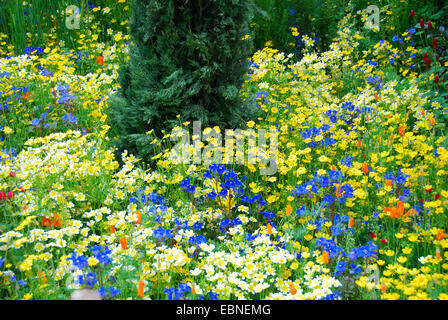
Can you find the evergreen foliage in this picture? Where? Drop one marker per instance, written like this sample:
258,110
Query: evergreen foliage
187,58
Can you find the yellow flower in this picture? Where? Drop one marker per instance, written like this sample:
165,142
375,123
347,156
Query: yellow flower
251,124
402,259
27,296
389,253
92,261
308,237
8,130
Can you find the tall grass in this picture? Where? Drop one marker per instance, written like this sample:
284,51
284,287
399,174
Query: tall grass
37,22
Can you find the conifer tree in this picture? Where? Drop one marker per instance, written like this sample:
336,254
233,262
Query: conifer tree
187,57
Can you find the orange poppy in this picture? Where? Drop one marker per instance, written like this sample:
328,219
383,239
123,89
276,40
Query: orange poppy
112,229
358,144
141,288
124,243
441,234
139,217
56,220
438,255
410,212
338,192
400,208
41,277
325,258
100,60
388,182
401,131
288,210
351,222
377,97
365,168
46,222
432,121
269,228
292,288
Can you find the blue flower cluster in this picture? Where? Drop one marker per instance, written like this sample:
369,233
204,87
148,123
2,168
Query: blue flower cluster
177,293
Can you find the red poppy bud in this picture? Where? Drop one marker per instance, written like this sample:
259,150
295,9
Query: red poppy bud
429,25
437,58
435,45
422,23
412,13
372,235
437,196
383,241
422,201
446,97
436,79
425,55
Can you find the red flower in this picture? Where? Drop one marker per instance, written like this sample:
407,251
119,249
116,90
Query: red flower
372,235
422,23
427,63
12,174
412,13
10,194
436,79
437,196
383,241
46,222
429,25
56,220
100,60
2,196
437,58
434,43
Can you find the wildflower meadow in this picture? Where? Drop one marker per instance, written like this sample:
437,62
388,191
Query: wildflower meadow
350,119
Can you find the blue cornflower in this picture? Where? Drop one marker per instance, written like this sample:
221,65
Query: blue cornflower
223,192
102,291
268,215
340,267
328,199
114,291
197,226
335,175
213,296
91,279
185,183
355,269
300,211
347,161
212,195
22,283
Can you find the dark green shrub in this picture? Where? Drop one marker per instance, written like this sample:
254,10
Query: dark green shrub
187,58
